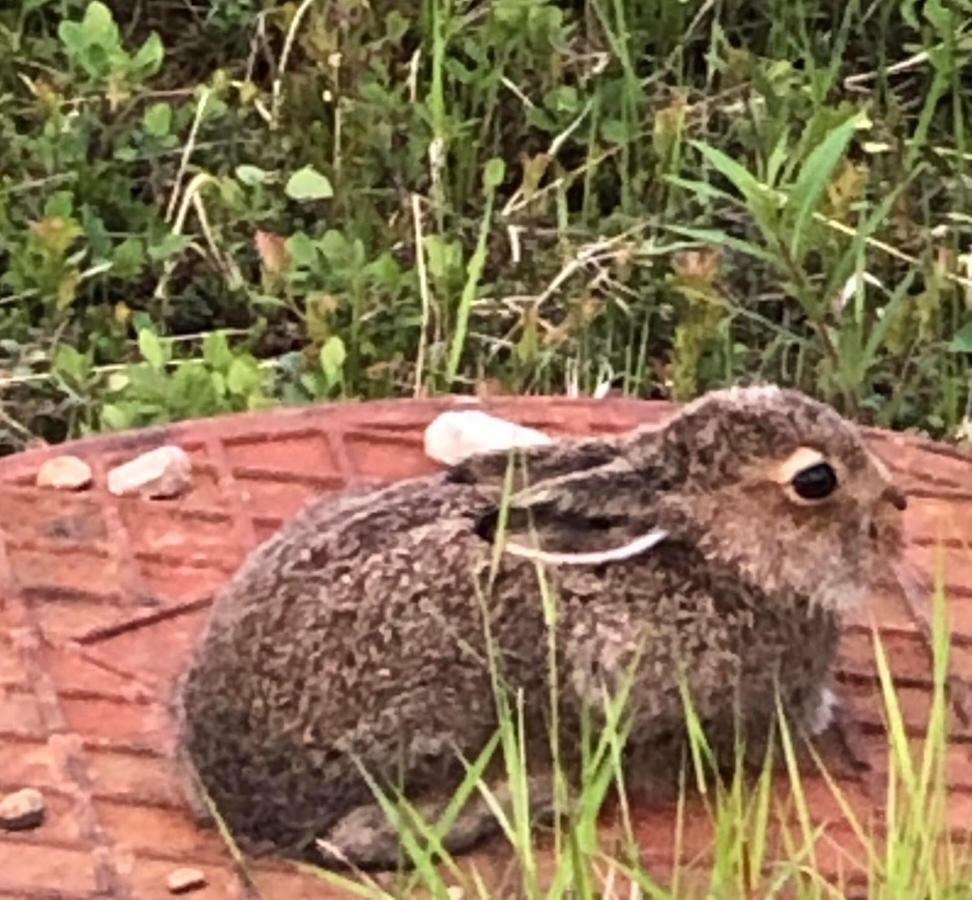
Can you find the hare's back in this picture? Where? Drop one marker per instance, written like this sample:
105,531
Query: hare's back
352,606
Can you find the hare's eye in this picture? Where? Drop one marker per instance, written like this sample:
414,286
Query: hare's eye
816,482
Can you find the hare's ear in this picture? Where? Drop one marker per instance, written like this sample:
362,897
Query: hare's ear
533,465
588,517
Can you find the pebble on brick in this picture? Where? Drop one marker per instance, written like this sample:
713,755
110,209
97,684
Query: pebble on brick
181,881
22,810
160,473
64,473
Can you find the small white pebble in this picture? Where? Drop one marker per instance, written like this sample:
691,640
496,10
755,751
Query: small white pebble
21,810
163,472
64,473
181,881
456,435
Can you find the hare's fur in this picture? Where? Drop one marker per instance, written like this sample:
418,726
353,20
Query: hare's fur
356,637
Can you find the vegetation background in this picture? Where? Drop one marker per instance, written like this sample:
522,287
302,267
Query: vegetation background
215,206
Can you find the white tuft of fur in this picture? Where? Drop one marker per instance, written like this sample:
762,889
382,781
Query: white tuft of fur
626,551
823,716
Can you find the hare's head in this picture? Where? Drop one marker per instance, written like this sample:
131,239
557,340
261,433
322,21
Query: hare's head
767,481
783,487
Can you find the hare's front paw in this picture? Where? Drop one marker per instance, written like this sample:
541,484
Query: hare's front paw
363,839
822,716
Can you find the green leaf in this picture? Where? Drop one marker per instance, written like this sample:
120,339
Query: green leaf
170,245
335,247
216,351
702,189
333,355
243,377
148,60
308,184
99,25
615,131
128,258
251,175
759,199
302,250
742,179
73,365
815,175
962,340
116,418
494,173
151,348
158,119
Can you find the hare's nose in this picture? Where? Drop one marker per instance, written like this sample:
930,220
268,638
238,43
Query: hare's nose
895,497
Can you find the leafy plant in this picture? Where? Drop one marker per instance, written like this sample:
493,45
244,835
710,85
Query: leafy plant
517,197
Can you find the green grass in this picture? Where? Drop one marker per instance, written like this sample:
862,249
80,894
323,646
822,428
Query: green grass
764,837
217,205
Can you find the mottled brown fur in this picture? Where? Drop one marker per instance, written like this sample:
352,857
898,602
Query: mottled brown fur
358,631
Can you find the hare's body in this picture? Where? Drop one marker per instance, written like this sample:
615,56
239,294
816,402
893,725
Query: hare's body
357,636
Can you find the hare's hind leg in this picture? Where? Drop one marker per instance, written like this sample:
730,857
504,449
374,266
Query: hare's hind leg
366,839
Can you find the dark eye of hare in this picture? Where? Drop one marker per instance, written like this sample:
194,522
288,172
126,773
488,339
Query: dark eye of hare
815,482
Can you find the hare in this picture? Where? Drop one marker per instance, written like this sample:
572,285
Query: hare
713,553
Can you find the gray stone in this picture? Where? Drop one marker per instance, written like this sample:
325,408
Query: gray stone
163,472
22,810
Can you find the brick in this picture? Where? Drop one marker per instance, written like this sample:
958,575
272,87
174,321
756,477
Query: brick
110,722
825,806
958,759
282,499
46,515
72,619
960,813
138,649
204,492
12,671
307,453
931,519
195,539
74,671
264,529
287,885
867,708
171,583
377,455
29,763
837,850
134,777
25,866
956,563
942,466
65,571
158,831
20,714
908,656
960,623
885,606
654,830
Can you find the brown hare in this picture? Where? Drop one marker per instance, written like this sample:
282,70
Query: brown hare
715,552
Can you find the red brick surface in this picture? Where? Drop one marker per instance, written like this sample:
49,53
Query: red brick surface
101,599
